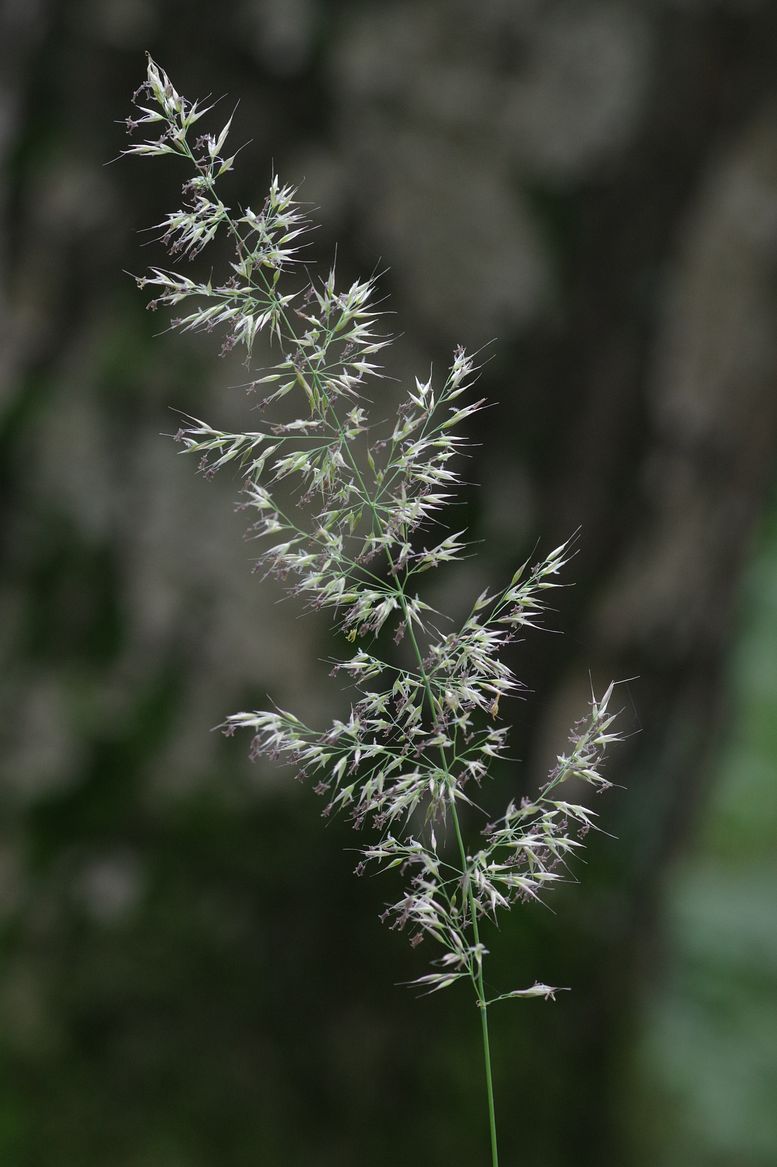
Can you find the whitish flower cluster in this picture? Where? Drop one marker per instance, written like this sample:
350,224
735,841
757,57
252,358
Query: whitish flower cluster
351,530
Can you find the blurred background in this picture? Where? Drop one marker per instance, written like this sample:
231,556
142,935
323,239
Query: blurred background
189,974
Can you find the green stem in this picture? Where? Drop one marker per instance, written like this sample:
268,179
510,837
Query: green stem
480,993
489,1081
477,973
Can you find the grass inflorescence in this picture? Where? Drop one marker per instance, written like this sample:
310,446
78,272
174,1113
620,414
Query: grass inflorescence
420,737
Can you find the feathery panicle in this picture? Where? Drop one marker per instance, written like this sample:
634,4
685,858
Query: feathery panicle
351,535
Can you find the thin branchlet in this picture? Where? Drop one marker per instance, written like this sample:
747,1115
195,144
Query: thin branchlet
352,535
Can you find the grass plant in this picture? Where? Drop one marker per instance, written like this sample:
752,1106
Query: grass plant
408,760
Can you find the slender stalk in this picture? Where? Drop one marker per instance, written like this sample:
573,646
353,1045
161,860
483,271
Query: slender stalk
476,971
489,1082
481,999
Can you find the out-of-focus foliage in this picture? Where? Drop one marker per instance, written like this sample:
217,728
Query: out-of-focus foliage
710,1048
